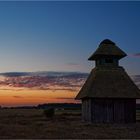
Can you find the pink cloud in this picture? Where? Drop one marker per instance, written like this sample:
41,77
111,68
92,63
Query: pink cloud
135,55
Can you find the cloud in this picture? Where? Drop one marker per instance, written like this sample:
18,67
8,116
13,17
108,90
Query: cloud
65,98
17,96
67,89
136,54
72,64
68,81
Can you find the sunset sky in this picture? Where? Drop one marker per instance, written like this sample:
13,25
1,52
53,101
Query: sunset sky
60,36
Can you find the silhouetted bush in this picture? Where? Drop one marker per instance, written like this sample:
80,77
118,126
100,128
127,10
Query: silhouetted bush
49,113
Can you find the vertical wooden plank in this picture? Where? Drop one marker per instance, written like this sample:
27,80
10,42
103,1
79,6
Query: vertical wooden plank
130,111
109,110
110,106
86,110
83,111
89,103
118,111
93,110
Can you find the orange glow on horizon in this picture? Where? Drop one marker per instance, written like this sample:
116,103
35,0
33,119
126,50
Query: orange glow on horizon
27,97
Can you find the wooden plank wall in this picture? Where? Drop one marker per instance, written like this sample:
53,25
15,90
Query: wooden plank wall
109,110
102,111
86,110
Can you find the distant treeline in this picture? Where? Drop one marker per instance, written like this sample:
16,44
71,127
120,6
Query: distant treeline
75,106
60,106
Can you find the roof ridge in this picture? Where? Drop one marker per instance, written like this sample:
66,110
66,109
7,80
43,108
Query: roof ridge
107,48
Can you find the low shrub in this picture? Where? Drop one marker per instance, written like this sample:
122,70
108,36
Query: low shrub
49,113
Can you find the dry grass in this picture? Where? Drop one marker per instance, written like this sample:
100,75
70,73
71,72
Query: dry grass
32,123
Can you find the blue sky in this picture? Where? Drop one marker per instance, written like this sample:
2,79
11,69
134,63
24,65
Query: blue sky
60,36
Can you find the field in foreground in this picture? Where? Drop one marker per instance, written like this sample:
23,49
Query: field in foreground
31,123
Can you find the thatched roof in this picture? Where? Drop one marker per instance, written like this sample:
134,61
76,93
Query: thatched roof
107,48
106,82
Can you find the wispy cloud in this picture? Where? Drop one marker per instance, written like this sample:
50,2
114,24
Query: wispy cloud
136,55
65,98
68,89
72,64
17,96
58,81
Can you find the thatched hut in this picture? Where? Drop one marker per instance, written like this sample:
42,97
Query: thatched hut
109,95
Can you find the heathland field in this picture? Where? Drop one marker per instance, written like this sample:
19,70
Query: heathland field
32,123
